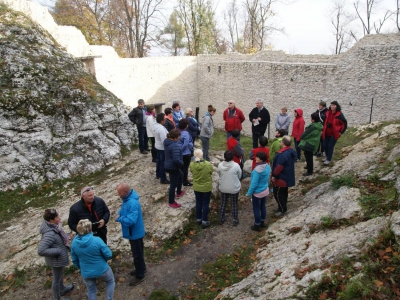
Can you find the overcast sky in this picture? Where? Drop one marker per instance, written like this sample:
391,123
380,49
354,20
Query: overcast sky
306,24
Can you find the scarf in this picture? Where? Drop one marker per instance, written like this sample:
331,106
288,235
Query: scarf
61,232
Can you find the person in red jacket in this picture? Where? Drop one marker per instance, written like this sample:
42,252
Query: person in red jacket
233,118
335,125
233,144
298,129
262,148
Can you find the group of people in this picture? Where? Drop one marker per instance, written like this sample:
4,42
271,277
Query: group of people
89,251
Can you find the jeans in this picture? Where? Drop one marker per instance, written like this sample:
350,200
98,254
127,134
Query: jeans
298,150
309,161
202,205
175,178
137,249
108,278
58,281
329,146
229,134
259,209
281,196
160,172
185,167
143,139
153,148
205,142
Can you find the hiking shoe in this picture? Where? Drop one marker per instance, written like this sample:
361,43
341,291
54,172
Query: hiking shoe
327,162
262,224
279,214
235,223
307,174
67,289
174,205
188,184
135,281
256,228
180,194
205,224
165,182
144,152
133,272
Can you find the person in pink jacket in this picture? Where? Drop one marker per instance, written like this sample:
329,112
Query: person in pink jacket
298,129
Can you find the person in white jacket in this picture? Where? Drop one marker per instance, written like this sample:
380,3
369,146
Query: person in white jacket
229,185
160,134
150,120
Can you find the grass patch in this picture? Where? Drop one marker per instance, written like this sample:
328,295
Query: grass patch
218,142
162,294
345,180
228,269
376,278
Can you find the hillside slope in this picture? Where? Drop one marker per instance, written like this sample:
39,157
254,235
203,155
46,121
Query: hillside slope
55,119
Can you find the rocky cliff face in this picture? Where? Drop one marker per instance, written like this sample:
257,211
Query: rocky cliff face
56,121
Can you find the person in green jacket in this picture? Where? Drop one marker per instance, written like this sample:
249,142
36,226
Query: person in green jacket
309,142
202,185
276,144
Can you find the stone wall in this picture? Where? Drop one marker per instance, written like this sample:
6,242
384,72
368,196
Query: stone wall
369,70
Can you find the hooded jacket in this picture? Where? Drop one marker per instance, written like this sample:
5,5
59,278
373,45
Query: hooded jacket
298,125
282,121
131,218
52,246
283,167
90,254
79,211
235,146
185,142
338,123
259,179
233,120
275,147
229,177
311,137
202,176
207,126
254,152
160,134
173,155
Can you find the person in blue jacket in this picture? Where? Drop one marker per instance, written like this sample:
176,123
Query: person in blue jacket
90,254
131,219
186,144
259,191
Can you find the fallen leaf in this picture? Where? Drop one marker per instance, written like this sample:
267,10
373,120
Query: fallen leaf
386,257
192,232
381,253
277,272
267,255
10,277
117,257
391,269
378,283
389,249
323,296
121,279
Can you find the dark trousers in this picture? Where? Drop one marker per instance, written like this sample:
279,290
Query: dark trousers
160,172
234,206
259,209
137,249
321,147
185,167
298,150
329,145
202,205
175,178
309,161
281,196
255,137
153,149
143,139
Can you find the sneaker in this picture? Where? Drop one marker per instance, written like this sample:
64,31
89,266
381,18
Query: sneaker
279,214
144,152
307,174
165,182
135,281
205,224
67,289
133,272
174,205
324,159
188,184
180,195
327,162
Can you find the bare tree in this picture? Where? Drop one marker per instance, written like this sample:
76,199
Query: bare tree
340,20
231,18
398,15
370,8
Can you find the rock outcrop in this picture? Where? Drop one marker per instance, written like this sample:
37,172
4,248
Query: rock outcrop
55,119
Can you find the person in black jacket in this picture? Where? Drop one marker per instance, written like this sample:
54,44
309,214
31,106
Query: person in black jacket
138,117
259,118
321,111
92,208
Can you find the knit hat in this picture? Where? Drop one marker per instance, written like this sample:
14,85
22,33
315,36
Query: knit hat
198,155
84,227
